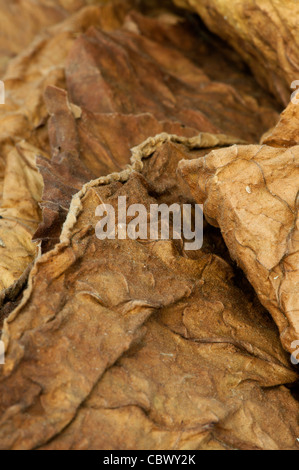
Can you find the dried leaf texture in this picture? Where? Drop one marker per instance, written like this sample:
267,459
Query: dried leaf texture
22,20
188,355
251,193
131,83
285,133
155,346
85,145
24,134
19,213
263,33
159,77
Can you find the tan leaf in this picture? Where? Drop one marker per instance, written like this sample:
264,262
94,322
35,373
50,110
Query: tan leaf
251,193
19,213
285,133
21,21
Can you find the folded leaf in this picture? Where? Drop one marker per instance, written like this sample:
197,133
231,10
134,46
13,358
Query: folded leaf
188,355
263,33
251,193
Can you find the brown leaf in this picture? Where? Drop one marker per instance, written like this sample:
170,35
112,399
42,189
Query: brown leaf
263,33
84,147
23,131
146,75
251,193
155,346
154,83
188,356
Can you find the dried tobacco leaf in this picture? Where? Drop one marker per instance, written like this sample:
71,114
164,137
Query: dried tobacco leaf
187,354
193,359
132,83
285,133
19,213
263,33
251,193
23,133
84,146
22,20
128,72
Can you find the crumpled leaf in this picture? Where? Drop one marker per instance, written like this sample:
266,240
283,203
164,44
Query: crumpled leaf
22,20
285,133
251,193
154,83
188,355
86,145
23,133
263,33
146,75
19,213
193,359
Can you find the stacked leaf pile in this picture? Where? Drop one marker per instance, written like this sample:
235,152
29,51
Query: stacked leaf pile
141,344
